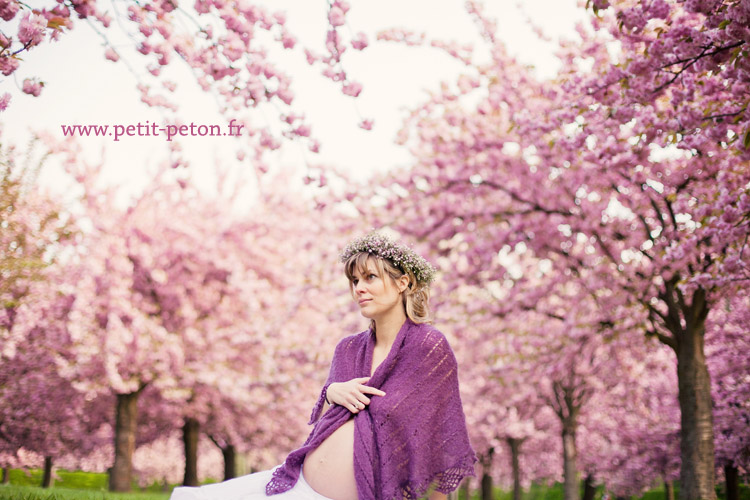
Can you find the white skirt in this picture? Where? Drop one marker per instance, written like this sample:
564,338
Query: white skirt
249,487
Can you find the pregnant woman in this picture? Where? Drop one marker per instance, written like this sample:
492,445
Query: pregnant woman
389,422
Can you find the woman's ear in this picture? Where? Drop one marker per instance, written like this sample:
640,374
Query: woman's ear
403,283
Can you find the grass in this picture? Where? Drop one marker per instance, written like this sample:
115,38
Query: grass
72,485
77,485
555,492
15,492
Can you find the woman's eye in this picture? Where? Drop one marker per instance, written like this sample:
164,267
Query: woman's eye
371,276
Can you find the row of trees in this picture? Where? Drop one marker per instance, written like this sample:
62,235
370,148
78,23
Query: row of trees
124,321
610,201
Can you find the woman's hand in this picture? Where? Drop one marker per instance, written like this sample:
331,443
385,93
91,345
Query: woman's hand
351,394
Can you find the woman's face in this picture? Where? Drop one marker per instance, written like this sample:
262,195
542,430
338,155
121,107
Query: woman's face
377,295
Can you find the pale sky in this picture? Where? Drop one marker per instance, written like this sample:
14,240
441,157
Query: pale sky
82,87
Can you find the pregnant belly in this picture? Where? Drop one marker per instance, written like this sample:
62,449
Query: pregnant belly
329,468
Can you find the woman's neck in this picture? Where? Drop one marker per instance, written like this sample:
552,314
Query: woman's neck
386,328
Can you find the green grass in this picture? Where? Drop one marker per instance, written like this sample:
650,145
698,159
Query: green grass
72,485
68,479
77,485
15,492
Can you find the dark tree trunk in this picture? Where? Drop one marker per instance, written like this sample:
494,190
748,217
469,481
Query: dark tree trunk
125,427
589,490
732,477
47,477
668,490
515,452
190,432
487,493
570,457
697,481
230,461
6,475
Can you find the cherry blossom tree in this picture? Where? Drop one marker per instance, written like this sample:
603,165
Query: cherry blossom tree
727,340
186,310
32,314
610,197
229,47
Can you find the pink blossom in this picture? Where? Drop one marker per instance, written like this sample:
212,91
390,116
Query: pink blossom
359,42
4,101
336,16
8,9
288,40
31,29
280,17
302,131
4,41
32,87
311,56
366,124
352,89
111,54
8,64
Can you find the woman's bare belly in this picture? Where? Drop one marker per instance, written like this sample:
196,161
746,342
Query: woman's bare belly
329,468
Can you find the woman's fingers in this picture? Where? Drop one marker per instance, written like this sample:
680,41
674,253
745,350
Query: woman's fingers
371,390
356,399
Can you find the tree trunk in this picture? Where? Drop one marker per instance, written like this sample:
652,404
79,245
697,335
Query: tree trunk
668,490
697,481
6,475
487,493
230,461
570,457
731,475
190,433
515,451
47,477
125,427
589,490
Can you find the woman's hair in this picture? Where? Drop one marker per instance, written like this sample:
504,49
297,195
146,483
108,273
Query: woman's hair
416,297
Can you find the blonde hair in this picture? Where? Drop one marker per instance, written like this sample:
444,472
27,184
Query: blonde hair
416,297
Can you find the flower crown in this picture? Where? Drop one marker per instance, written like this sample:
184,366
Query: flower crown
402,256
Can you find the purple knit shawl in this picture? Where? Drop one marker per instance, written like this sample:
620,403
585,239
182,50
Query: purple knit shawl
407,441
